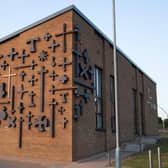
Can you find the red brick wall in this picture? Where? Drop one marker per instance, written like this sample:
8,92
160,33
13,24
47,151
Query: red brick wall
86,140
39,144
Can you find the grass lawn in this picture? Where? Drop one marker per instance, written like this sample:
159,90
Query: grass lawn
141,160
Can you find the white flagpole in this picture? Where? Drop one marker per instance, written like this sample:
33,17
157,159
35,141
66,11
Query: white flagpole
117,152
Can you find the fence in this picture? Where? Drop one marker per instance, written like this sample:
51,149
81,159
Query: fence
151,159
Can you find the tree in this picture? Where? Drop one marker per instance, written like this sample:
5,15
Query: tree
160,122
166,122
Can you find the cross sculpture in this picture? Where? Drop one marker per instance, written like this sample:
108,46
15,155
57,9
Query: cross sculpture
42,72
47,36
61,110
65,63
33,43
29,120
64,97
22,75
12,54
3,113
2,90
53,61
22,91
33,80
52,104
11,121
53,75
53,45
32,65
9,75
53,89
21,120
65,121
32,103
4,65
41,123
21,107
23,55
64,34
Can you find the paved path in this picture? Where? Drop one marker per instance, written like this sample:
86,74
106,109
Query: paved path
96,161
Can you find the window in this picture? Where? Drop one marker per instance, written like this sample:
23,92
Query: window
112,101
98,100
134,94
142,115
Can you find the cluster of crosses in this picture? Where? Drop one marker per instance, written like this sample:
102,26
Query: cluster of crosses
8,91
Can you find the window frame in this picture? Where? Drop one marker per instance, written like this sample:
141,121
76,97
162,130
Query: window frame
98,78
112,102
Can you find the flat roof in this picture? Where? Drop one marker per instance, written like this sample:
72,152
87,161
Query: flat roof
72,7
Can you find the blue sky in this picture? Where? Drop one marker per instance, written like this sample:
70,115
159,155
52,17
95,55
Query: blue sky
142,29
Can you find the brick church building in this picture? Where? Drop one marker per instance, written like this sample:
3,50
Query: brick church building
57,91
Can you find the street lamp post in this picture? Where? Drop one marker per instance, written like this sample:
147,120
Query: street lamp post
117,152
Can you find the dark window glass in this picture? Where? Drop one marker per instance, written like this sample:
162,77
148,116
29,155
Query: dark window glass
112,100
134,94
98,94
142,114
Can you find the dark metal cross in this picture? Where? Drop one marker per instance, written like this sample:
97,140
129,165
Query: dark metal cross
85,55
53,62
2,90
41,123
9,75
1,56
47,36
3,113
21,107
76,112
33,64
84,71
32,94
12,53
78,92
23,55
4,65
77,32
90,72
81,107
86,95
65,63
22,91
64,78
33,80
32,43
64,34
22,75
65,122
54,45
12,102
52,104
77,55
43,55
53,75
64,97
11,122
21,120
53,89
42,72
61,110
29,120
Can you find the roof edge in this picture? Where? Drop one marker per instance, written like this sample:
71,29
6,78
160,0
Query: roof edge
72,7
16,33
110,41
